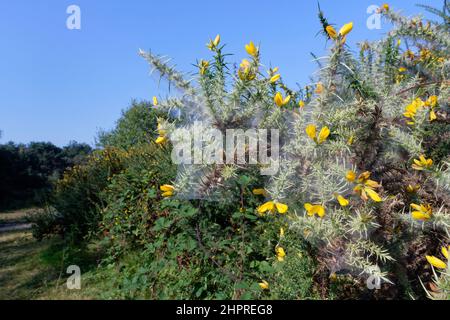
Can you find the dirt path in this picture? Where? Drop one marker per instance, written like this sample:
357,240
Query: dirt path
14,227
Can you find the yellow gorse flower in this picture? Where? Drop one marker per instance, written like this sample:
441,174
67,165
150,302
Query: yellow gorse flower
432,101
162,135
311,131
385,7
272,207
280,101
259,192
433,115
213,44
346,29
350,176
412,189
436,262
421,212
203,66
161,140
319,88
418,105
444,251
342,201
251,49
160,130
313,209
275,78
365,187
331,32
422,163
281,232
264,285
412,109
155,101
245,71
167,190
280,253
301,104
351,140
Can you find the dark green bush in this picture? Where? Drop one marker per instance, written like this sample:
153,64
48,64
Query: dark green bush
130,199
136,126
77,194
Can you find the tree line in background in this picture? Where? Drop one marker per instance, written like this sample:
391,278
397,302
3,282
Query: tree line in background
27,171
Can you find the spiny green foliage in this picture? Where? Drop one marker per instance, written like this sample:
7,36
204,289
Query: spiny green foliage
362,100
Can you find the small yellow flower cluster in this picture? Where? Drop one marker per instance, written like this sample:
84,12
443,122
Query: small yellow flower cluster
401,75
301,104
319,88
280,101
203,66
280,253
438,263
424,56
167,190
214,44
313,209
412,189
274,76
252,49
421,212
346,29
422,163
162,139
311,131
272,207
418,105
264,285
245,71
364,187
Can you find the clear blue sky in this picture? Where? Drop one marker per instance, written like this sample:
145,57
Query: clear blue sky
59,85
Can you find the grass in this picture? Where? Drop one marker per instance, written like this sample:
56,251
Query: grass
37,270
22,275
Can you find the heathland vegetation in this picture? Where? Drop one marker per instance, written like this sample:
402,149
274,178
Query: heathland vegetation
359,209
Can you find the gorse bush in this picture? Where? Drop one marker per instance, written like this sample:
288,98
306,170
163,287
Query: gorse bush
356,176
77,195
361,196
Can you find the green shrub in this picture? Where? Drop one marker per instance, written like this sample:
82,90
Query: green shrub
130,199
77,194
136,126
